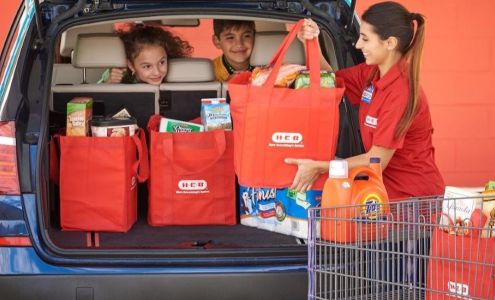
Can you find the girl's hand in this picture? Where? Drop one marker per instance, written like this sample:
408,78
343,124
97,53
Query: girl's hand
308,31
116,75
308,171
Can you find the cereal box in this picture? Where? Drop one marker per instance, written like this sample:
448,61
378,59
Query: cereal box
79,111
171,125
215,114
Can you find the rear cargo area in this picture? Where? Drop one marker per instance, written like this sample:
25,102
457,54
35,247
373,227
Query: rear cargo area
144,236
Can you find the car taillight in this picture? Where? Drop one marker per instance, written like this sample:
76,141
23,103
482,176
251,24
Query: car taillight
9,179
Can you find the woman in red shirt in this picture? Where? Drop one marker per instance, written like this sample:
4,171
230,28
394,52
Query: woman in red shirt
394,117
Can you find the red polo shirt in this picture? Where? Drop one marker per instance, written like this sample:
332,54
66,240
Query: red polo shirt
412,170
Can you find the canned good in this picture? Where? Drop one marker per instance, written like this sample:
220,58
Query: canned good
113,127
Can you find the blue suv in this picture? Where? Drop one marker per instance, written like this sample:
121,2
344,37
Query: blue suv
40,261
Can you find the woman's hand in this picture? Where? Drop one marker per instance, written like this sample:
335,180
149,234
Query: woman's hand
116,75
308,31
308,171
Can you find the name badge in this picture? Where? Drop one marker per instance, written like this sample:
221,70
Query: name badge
367,94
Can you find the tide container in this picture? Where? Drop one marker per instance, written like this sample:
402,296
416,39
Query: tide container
354,203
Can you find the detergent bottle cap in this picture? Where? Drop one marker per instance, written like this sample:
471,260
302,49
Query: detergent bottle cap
338,169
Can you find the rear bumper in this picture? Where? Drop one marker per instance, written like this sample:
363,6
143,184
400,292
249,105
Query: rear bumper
23,275
291,285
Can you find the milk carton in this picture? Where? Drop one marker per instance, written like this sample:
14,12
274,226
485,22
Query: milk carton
79,111
215,114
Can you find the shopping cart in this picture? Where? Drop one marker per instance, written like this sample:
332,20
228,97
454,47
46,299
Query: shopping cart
424,248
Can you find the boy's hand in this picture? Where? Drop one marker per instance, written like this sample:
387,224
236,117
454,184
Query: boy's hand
308,31
116,75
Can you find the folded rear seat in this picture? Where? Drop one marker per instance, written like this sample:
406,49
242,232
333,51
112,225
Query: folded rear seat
106,51
188,81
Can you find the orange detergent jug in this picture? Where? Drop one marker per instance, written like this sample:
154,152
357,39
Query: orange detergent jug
354,203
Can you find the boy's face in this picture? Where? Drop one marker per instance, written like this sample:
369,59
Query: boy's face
237,45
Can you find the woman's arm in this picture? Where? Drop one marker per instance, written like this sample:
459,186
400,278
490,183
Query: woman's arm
310,31
309,170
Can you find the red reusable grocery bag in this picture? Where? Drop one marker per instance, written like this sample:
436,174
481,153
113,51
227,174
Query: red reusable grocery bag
274,123
192,180
98,181
461,266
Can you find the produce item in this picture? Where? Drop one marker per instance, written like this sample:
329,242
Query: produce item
327,80
113,127
286,75
215,114
171,125
79,111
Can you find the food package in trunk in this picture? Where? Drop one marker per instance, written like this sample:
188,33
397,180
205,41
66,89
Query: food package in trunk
215,114
79,111
171,125
278,210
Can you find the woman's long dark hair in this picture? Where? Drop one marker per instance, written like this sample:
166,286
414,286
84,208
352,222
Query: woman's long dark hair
391,19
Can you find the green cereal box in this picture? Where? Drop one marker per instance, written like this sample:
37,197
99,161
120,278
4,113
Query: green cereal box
171,125
215,114
79,111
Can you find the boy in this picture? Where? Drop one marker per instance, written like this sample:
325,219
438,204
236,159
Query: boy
235,38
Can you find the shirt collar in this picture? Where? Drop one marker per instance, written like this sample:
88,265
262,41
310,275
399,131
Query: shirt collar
395,72
230,68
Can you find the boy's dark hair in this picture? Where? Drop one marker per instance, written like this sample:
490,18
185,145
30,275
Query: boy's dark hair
220,25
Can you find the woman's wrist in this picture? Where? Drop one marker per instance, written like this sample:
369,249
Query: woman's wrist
322,166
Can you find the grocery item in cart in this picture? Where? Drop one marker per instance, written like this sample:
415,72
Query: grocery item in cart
367,195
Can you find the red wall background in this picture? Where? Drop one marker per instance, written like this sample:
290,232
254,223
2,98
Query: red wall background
458,75
7,13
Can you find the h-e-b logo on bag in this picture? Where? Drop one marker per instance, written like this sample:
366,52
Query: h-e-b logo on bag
287,139
199,186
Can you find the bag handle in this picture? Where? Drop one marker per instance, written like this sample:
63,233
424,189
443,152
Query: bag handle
220,146
54,170
311,53
141,166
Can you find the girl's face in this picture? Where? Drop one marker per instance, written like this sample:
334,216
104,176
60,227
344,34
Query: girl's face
375,50
150,65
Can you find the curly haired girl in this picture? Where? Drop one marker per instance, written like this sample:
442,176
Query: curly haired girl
147,50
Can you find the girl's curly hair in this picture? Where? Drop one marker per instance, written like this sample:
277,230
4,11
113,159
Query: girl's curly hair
141,35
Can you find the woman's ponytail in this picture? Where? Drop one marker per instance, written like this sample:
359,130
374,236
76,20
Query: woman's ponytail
413,57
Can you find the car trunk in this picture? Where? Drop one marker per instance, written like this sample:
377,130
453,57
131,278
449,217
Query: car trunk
143,240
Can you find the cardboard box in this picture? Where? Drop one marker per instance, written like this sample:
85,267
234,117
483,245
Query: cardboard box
278,210
460,203
215,114
171,125
79,111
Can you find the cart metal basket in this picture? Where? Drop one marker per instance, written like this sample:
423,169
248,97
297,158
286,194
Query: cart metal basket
422,248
